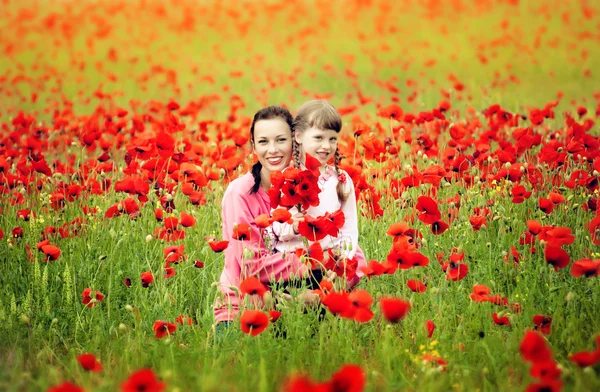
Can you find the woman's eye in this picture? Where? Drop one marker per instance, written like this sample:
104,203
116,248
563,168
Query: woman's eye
262,142
333,140
282,140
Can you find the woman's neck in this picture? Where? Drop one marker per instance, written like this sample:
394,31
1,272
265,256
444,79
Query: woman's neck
265,179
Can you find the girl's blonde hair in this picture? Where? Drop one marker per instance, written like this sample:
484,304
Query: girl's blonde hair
322,115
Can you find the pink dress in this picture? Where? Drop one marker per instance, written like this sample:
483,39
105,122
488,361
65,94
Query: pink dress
248,258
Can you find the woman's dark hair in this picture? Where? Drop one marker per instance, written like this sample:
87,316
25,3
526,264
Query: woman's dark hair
268,113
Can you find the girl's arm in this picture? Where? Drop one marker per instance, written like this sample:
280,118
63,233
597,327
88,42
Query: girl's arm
349,231
285,231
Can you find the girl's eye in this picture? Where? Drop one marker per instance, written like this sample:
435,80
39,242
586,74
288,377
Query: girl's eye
317,137
333,140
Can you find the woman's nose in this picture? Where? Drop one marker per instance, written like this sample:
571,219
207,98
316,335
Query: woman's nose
273,147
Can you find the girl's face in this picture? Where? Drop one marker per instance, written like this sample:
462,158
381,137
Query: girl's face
319,143
273,144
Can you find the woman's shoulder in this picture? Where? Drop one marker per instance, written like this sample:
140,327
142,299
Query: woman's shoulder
241,186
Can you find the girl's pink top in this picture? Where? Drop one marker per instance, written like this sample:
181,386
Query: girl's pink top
248,258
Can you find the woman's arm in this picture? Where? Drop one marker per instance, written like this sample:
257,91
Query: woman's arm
250,253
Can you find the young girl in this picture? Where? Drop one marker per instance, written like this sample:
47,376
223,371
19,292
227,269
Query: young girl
316,132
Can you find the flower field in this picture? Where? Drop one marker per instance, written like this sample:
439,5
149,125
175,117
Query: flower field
469,134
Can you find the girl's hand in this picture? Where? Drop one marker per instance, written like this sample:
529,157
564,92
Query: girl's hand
308,298
298,217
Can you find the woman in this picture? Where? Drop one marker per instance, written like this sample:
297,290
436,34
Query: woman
245,199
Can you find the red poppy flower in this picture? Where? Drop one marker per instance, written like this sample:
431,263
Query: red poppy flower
174,253
183,320
252,286
546,205
339,304
542,323
87,297
391,111
480,293
545,386
439,227
585,267
556,257
17,232
556,198
350,378
65,387
143,380
187,220
374,268
198,264
594,229
315,229
547,370
394,309
147,278
254,322
397,229
585,358
416,286
361,301
52,252
164,328
158,214
500,320
218,246
534,227
429,210
557,236
456,271
519,194
281,215
477,221
430,326
301,384
534,348
169,271
242,232
262,221
274,315
89,362
314,253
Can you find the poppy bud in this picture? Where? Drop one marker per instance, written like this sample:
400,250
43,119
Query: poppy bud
507,165
122,327
570,296
25,319
248,254
149,238
129,308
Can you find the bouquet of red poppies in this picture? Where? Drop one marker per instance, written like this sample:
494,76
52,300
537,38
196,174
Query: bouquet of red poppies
295,187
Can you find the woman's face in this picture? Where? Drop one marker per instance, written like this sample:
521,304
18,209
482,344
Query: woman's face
273,144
